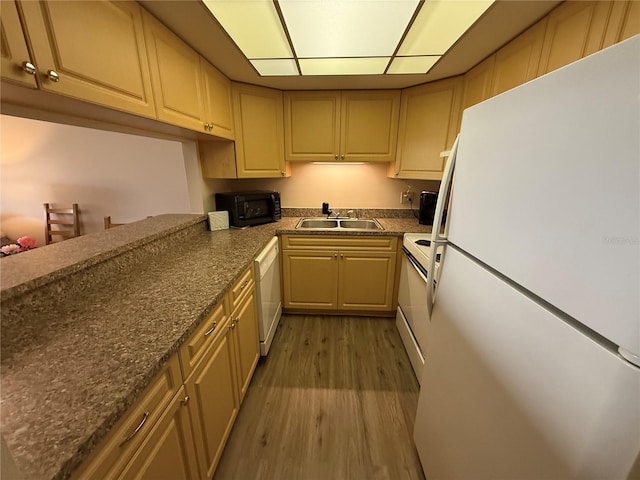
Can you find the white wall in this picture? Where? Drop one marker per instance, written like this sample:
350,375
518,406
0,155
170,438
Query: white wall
125,176
359,186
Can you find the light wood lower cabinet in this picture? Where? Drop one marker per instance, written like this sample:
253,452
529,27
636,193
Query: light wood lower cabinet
339,273
213,402
168,450
179,426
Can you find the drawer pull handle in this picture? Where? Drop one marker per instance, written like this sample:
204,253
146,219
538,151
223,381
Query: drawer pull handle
144,420
215,324
246,282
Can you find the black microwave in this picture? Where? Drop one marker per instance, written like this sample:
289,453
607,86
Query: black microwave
250,208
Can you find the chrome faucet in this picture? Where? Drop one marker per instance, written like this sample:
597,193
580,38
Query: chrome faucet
351,212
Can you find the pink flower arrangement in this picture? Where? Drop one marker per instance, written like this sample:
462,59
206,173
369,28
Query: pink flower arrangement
24,244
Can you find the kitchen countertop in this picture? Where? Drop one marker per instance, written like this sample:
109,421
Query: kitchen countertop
59,400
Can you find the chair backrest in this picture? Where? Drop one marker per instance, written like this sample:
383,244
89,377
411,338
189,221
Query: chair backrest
109,224
61,222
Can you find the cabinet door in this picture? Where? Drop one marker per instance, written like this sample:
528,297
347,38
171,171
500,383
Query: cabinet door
14,47
312,126
631,21
97,48
168,451
258,119
176,77
213,405
246,343
369,125
477,83
310,279
517,62
569,29
217,89
366,280
429,117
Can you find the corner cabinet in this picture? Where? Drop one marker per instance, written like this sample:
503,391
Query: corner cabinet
353,125
107,67
429,123
339,273
258,151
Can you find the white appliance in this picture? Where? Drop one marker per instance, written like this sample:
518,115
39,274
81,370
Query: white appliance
412,317
534,343
267,268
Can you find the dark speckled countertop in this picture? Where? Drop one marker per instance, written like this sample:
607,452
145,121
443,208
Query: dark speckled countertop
71,367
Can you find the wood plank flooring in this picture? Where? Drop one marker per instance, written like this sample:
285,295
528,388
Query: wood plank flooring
334,400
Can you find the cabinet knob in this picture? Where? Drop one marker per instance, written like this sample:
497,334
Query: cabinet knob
53,75
237,321
185,400
341,157
283,173
335,157
208,126
232,326
29,68
335,255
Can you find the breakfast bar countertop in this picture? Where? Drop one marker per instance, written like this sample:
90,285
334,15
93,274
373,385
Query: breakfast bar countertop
71,366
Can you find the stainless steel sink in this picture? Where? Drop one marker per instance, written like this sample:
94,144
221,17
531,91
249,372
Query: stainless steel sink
317,223
368,224
338,224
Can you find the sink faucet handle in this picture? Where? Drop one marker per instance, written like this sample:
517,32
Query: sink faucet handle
351,212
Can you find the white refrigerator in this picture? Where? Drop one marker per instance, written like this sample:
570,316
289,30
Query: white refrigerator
532,362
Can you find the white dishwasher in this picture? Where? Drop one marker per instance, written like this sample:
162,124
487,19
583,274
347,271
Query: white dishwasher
267,268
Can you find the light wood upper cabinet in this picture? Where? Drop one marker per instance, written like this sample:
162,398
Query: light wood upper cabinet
259,147
429,119
106,65
176,77
369,125
477,83
517,62
354,125
312,125
631,21
574,30
14,47
218,107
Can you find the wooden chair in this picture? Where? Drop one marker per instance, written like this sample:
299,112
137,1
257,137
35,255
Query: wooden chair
109,224
65,220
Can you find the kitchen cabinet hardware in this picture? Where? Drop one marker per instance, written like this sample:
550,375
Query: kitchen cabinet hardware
145,415
244,285
210,331
29,68
232,326
185,400
53,75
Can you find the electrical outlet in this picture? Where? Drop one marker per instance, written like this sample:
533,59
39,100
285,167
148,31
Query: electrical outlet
406,197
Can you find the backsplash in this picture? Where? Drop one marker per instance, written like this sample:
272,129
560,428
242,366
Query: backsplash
357,212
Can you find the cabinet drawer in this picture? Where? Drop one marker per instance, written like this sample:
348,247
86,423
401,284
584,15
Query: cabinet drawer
318,242
193,349
242,286
127,435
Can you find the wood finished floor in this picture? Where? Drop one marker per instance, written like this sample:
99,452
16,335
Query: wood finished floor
335,399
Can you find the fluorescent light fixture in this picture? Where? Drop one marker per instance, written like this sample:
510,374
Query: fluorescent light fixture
343,66
412,64
275,67
337,163
339,28
254,25
440,24
345,37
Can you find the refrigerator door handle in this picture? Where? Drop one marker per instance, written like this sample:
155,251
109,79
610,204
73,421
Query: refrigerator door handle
437,238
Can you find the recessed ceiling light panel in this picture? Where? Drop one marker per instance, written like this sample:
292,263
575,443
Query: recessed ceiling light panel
440,24
412,64
339,28
275,67
343,66
253,25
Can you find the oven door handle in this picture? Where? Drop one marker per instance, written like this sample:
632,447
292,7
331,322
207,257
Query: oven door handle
419,268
